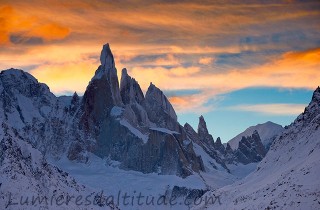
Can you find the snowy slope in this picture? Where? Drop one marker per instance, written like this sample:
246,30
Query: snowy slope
267,132
27,181
288,177
104,175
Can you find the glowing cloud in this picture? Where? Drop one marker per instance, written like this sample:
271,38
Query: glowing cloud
65,78
24,27
206,60
59,42
292,70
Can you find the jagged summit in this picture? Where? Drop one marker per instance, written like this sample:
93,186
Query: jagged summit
155,97
130,90
203,131
202,127
267,131
105,81
106,57
250,149
107,66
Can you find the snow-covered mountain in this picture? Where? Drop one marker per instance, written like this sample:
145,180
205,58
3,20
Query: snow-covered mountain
267,131
288,177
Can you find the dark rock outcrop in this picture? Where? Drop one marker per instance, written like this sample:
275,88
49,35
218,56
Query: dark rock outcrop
250,149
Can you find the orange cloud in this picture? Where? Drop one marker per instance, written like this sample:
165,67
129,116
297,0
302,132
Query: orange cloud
292,70
206,60
169,60
152,28
191,103
49,31
64,78
28,26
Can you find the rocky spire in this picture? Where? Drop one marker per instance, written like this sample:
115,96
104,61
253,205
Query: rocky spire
202,127
219,146
203,131
102,93
108,71
130,90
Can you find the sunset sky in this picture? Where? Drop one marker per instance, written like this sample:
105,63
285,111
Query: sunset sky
238,63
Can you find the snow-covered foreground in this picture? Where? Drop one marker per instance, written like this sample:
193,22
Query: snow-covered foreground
104,176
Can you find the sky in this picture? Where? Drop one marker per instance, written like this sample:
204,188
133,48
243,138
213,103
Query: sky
237,63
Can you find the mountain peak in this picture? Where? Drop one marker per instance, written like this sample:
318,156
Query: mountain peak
18,74
130,90
152,87
107,66
156,100
106,57
202,127
203,131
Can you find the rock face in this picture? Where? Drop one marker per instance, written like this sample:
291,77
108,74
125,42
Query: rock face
134,101
108,72
219,146
102,92
159,109
250,149
121,128
130,89
206,142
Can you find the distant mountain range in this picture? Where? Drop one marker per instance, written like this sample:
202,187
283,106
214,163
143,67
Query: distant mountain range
267,131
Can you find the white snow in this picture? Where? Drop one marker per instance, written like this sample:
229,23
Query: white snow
134,131
241,170
207,160
112,180
164,130
28,110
